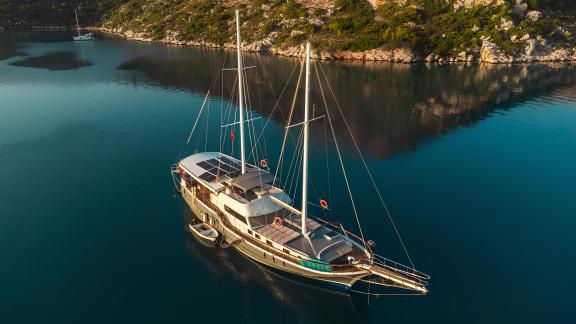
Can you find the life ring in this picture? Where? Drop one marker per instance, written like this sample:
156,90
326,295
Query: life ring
278,222
323,203
264,163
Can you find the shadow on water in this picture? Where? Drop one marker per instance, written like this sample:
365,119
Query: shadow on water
57,61
302,298
40,36
390,108
9,46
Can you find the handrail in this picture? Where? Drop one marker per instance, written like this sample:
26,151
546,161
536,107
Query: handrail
411,280
272,251
348,233
395,266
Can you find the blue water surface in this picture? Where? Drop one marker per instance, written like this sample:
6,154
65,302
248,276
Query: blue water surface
476,164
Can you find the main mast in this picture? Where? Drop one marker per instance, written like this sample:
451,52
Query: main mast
77,23
305,149
240,91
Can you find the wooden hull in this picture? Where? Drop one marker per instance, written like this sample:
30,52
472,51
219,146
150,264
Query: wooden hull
338,280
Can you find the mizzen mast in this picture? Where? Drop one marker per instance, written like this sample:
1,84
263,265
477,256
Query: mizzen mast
240,92
305,148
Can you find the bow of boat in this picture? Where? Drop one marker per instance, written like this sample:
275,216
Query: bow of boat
387,273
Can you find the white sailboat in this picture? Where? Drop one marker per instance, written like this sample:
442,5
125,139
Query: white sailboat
81,37
242,202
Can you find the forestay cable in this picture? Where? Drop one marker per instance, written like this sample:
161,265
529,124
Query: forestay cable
368,170
340,157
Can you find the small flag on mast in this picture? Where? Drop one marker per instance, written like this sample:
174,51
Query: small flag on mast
232,134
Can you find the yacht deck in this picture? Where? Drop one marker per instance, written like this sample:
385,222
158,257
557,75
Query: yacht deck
288,232
323,243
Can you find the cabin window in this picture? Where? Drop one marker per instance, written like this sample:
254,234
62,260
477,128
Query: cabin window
235,214
269,242
248,195
257,221
286,251
257,236
250,232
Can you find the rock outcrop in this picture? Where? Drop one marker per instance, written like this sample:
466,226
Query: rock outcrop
466,4
492,53
534,15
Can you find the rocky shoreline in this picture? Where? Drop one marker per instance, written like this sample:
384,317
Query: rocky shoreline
536,50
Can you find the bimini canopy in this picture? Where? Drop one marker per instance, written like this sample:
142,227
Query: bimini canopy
250,180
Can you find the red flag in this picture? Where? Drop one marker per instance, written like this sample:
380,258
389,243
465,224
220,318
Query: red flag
232,134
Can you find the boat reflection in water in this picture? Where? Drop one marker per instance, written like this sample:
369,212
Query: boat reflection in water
259,283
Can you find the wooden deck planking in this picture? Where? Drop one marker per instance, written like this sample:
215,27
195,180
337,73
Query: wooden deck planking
280,235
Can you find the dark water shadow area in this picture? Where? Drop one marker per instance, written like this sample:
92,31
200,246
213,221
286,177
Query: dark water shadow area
390,108
311,303
7,52
40,36
9,47
57,61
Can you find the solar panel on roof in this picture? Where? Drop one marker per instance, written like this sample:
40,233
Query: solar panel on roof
219,164
204,165
207,176
212,170
230,162
219,172
227,168
228,165
214,162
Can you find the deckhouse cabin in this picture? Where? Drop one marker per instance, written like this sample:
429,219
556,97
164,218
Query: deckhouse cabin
246,202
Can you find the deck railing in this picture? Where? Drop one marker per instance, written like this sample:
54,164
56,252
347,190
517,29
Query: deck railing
204,197
342,230
400,268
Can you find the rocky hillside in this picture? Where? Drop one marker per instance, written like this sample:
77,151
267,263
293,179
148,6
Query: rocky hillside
495,31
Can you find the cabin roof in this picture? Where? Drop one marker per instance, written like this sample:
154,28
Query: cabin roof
205,167
251,180
213,168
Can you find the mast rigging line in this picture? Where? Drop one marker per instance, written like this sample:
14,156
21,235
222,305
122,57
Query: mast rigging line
277,105
195,124
289,120
222,62
367,169
340,157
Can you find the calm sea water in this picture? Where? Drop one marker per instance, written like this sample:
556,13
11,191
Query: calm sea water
476,164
